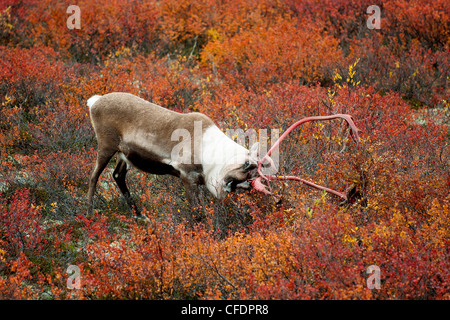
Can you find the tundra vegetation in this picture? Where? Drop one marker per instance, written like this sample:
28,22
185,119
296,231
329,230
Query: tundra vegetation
246,64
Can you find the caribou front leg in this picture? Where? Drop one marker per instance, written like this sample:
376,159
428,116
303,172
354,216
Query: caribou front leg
192,192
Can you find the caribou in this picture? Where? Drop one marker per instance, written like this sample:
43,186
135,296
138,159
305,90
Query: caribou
160,141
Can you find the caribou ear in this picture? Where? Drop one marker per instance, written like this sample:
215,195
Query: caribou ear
254,150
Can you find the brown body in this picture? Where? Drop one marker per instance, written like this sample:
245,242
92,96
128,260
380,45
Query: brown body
141,133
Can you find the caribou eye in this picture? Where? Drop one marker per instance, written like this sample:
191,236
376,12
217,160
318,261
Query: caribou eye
248,166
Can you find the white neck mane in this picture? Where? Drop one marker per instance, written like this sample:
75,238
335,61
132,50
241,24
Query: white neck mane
218,152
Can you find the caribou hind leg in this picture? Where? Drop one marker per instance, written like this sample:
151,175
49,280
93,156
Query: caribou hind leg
103,158
119,176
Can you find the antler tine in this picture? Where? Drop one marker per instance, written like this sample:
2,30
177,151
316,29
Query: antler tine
257,183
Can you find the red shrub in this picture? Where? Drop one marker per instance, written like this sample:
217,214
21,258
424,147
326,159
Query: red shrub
20,225
248,65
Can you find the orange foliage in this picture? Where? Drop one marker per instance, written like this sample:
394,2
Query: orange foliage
278,52
246,64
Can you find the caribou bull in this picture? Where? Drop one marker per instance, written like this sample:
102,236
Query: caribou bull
147,137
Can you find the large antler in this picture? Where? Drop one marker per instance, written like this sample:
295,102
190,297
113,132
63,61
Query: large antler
257,182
